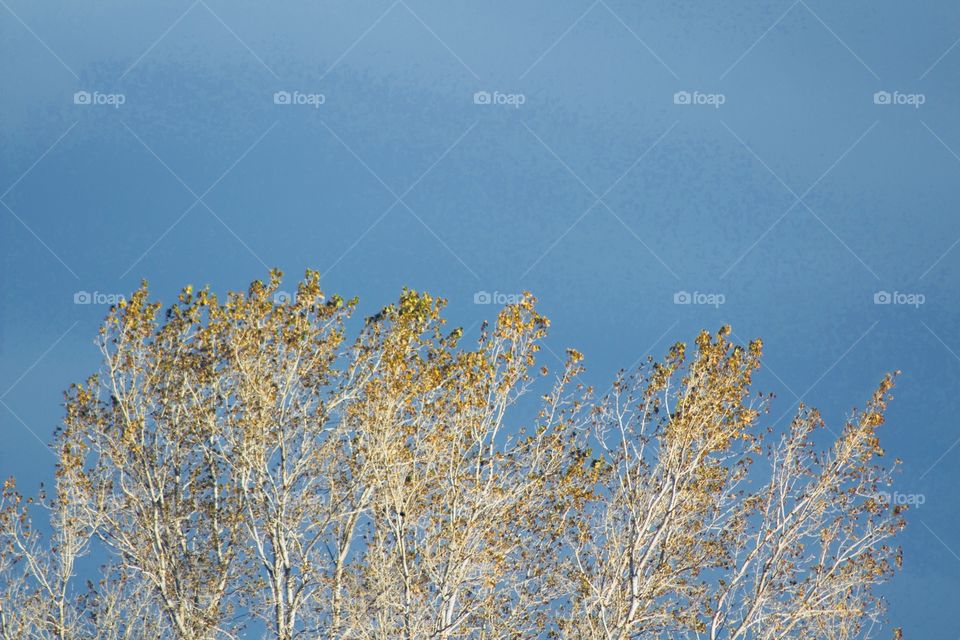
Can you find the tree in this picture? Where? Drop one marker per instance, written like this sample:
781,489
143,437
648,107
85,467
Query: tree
240,464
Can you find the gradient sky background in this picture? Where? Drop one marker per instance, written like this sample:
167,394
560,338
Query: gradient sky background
797,200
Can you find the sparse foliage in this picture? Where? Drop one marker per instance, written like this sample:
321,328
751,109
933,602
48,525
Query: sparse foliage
240,467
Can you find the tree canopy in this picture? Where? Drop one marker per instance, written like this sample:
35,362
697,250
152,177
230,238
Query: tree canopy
242,464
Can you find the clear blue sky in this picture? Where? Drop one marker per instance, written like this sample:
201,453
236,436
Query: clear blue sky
779,185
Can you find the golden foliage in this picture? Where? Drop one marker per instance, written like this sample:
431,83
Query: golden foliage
240,459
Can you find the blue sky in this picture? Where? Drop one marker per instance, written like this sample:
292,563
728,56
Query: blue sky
616,158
